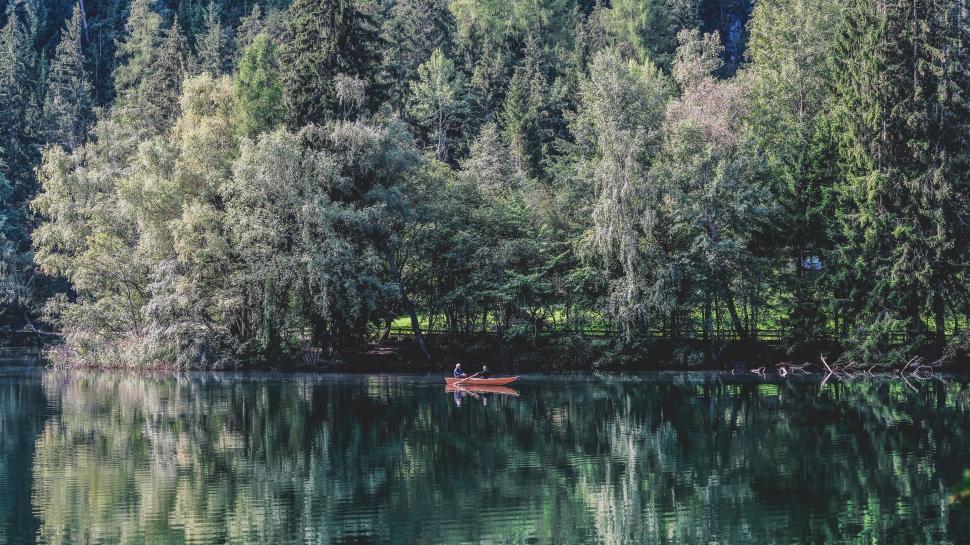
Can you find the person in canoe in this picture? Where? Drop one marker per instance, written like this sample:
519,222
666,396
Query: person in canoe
484,373
458,372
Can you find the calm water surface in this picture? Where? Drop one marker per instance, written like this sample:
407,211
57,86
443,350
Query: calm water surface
214,458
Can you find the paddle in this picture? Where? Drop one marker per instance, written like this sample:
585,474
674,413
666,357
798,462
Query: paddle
466,378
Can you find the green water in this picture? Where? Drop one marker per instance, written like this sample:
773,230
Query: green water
277,459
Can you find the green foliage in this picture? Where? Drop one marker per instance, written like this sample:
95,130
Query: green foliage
650,27
137,54
413,30
67,105
791,43
436,101
259,89
325,39
903,186
211,47
19,105
503,166
619,128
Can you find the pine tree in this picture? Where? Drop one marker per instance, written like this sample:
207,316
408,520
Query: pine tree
489,82
326,38
436,101
137,51
19,99
67,106
165,86
526,110
413,30
489,164
211,46
902,204
790,45
259,92
249,28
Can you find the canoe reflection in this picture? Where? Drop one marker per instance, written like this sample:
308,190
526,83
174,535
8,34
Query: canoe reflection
504,390
478,392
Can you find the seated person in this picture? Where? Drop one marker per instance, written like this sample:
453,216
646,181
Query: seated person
485,373
458,372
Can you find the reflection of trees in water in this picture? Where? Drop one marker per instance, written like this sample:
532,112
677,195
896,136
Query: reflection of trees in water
21,417
142,459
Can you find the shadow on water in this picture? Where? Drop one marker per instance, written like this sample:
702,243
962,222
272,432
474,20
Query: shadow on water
674,458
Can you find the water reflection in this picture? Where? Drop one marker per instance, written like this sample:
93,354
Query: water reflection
225,459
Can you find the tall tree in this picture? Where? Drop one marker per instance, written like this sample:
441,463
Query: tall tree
325,39
436,101
618,130
649,28
790,47
259,91
67,105
137,56
164,87
138,48
413,30
212,45
18,99
902,201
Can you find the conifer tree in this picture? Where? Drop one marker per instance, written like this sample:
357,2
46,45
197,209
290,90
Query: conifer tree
18,101
211,46
259,91
436,101
902,202
137,50
790,46
414,29
325,38
165,85
67,105
249,28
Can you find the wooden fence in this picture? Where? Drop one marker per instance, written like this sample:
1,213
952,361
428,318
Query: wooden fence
762,335
767,336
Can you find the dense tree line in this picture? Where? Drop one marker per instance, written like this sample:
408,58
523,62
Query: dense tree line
198,182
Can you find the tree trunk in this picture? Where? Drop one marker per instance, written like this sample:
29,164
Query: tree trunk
387,330
939,314
735,318
707,325
415,324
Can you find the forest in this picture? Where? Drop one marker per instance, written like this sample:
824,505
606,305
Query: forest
199,184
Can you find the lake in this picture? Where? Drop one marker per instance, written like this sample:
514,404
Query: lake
88,457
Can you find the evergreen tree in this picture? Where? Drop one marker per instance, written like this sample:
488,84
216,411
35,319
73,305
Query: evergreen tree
165,85
138,49
902,201
249,28
259,91
649,27
67,106
436,101
413,30
325,39
525,112
790,45
18,101
489,82
211,46
489,165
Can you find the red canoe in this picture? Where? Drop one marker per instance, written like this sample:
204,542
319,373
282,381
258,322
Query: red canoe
499,381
